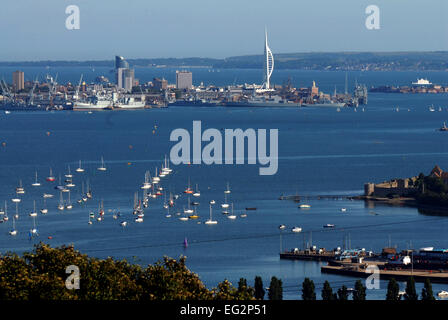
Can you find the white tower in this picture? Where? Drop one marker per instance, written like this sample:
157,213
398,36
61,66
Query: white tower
268,64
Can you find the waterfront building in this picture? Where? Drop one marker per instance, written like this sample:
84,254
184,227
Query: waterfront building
128,79
124,75
18,81
159,84
184,80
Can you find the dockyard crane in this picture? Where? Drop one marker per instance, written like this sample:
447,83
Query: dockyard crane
32,92
76,95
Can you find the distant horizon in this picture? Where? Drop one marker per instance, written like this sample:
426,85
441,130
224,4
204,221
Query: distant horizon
228,57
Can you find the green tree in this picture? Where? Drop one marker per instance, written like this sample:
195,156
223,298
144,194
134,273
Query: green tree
411,293
393,290
308,290
360,291
259,290
275,289
327,292
427,293
343,293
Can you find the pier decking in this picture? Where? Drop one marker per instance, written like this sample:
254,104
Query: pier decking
435,276
311,255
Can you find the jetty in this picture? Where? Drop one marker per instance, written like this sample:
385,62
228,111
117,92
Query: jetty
436,276
310,255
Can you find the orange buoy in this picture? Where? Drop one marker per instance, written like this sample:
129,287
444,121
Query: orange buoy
48,133
50,237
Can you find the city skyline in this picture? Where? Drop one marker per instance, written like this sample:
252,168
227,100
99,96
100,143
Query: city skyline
208,29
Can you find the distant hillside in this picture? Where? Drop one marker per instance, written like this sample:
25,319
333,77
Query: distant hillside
415,61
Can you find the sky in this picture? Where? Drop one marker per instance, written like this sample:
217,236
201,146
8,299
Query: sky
36,30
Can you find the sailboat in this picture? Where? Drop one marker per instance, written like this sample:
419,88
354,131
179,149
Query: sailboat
33,231
197,193
101,210
146,185
227,191
13,231
89,192
69,174
34,213
44,210
16,216
184,217
193,216
165,168
102,168
20,189
189,210
225,205
61,202
91,217
36,183
168,215
231,216
50,178
80,169
69,205
188,190
5,217
156,178
210,220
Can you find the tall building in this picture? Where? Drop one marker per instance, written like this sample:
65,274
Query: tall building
184,80
18,81
268,64
120,62
124,75
159,84
128,79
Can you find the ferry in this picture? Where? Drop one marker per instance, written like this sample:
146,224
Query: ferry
129,104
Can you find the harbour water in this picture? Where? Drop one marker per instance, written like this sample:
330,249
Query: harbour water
321,151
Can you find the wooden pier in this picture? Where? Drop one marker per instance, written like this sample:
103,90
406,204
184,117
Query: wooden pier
435,276
308,255
298,198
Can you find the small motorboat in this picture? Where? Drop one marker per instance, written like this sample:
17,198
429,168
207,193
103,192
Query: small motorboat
343,209
304,206
282,227
444,127
329,225
442,293
296,229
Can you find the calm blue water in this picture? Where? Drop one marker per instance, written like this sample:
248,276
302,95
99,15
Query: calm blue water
321,151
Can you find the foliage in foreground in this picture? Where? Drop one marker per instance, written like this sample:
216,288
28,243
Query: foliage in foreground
40,275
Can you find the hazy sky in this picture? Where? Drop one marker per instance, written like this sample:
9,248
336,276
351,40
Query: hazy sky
35,30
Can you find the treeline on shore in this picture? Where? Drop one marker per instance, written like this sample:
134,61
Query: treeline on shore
376,61
41,275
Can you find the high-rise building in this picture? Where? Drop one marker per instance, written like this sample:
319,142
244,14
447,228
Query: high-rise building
184,80
128,79
18,81
120,62
268,64
159,84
